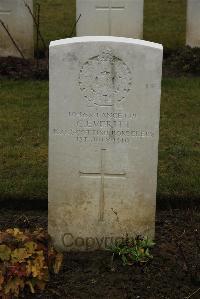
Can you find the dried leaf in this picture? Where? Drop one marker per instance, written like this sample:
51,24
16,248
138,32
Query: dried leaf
29,283
40,235
13,286
36,267
40,284
16,233
1,280
19,255
58,263
3,236
24,260
5,252
31,247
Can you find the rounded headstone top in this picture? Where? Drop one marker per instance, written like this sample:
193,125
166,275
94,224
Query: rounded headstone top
85,39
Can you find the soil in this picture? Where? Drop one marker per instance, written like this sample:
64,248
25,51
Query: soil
173,273
18,68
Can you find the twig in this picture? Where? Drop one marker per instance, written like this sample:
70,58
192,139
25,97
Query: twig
196,239
187,266
35,22
180,237
12,39
74,27
24,218
111,262
38,28
190,296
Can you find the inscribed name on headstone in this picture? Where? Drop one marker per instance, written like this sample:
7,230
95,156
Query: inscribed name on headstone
110,17
103,140
193,23
18,21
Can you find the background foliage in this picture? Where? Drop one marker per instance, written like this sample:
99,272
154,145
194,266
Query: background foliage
164,20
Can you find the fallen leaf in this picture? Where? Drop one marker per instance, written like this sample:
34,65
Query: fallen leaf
13,286
5,252
1,280
19,255
58,263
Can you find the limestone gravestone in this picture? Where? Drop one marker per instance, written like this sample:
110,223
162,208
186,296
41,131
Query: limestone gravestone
110,17
103,140
17,19
193,23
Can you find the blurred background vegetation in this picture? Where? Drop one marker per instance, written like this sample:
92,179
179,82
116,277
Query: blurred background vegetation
164,20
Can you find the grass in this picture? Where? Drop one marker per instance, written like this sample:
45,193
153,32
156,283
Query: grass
24,131
164,20
24,137
57,18
179,151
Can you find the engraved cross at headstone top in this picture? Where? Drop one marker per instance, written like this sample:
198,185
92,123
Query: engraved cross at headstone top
110,7
102,174
4,11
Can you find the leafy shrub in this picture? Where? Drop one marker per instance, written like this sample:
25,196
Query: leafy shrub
185,60
26,259
133,250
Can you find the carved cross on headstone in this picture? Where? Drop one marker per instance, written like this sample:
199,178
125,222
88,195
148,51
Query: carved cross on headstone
102,174
4,11
110,7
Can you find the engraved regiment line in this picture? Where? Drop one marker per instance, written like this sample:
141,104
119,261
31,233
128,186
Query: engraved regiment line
102,174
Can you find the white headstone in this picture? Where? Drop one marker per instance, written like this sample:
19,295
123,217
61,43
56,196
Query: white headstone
19,23
110,17
103,140
193,23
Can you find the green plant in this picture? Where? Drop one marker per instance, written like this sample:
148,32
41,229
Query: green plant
185,60
26,259
134,250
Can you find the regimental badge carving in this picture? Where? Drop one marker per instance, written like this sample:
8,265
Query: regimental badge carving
105,80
